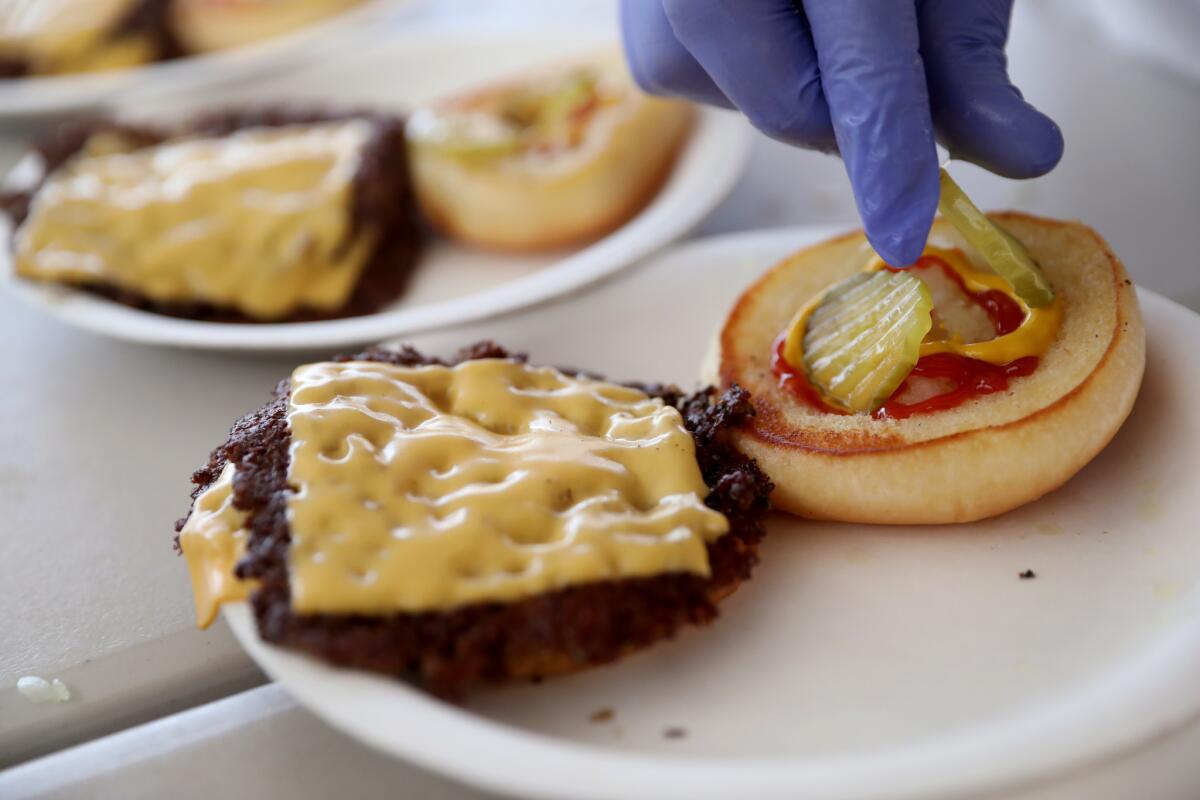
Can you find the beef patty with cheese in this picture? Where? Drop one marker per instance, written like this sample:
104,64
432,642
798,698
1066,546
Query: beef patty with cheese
474,520
267,215
59,37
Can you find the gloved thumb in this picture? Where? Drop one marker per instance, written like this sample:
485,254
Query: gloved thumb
978,113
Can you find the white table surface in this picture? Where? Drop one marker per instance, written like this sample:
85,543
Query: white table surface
97,441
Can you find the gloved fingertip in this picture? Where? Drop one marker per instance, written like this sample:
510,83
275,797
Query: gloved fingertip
899,233
982,118
1045,148
1003,134
1013,140
899,250
979,114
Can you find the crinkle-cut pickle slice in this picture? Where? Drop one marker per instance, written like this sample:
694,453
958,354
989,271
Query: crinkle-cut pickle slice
541,111
864,338
999,248
552,104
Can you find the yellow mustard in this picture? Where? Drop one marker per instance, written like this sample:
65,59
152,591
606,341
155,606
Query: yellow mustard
65,36
537,120
426,488
259,221
1032,337
212,540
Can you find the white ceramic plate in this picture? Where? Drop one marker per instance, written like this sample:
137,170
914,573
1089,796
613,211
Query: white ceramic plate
40,97
860,662
453,284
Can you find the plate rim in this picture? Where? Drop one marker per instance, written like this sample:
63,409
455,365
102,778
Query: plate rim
42,95
983,754
645,234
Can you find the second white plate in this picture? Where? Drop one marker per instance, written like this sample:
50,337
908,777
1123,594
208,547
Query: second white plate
453,284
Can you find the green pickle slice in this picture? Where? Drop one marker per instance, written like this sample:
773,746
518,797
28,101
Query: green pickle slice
551,104
542,112
999,248
864,338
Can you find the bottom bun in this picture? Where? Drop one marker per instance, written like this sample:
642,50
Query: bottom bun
531,203
987,456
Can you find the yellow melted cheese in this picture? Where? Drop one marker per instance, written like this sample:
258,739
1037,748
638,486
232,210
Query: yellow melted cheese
426,488
258,221
212,540
63,36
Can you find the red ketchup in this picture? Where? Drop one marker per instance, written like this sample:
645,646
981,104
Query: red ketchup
970,377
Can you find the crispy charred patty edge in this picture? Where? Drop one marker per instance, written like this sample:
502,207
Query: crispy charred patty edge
383,202
556,632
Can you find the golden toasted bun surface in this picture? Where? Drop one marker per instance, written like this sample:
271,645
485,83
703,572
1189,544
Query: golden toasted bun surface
207,25
982,458
529,202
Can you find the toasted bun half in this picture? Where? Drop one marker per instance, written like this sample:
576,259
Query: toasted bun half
985,457
530,202
204,26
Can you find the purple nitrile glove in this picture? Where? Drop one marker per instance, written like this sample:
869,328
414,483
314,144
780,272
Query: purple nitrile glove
871,79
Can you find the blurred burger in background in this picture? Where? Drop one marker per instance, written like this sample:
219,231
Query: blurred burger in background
57,37
207,25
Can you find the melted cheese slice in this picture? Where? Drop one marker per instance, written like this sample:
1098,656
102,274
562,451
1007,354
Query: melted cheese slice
258,221
59,36
212,540
426,488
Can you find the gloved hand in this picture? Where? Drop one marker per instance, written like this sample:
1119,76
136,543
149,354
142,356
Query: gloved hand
873,79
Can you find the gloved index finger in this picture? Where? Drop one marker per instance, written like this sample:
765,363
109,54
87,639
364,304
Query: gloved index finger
659,63
874,82
760,54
